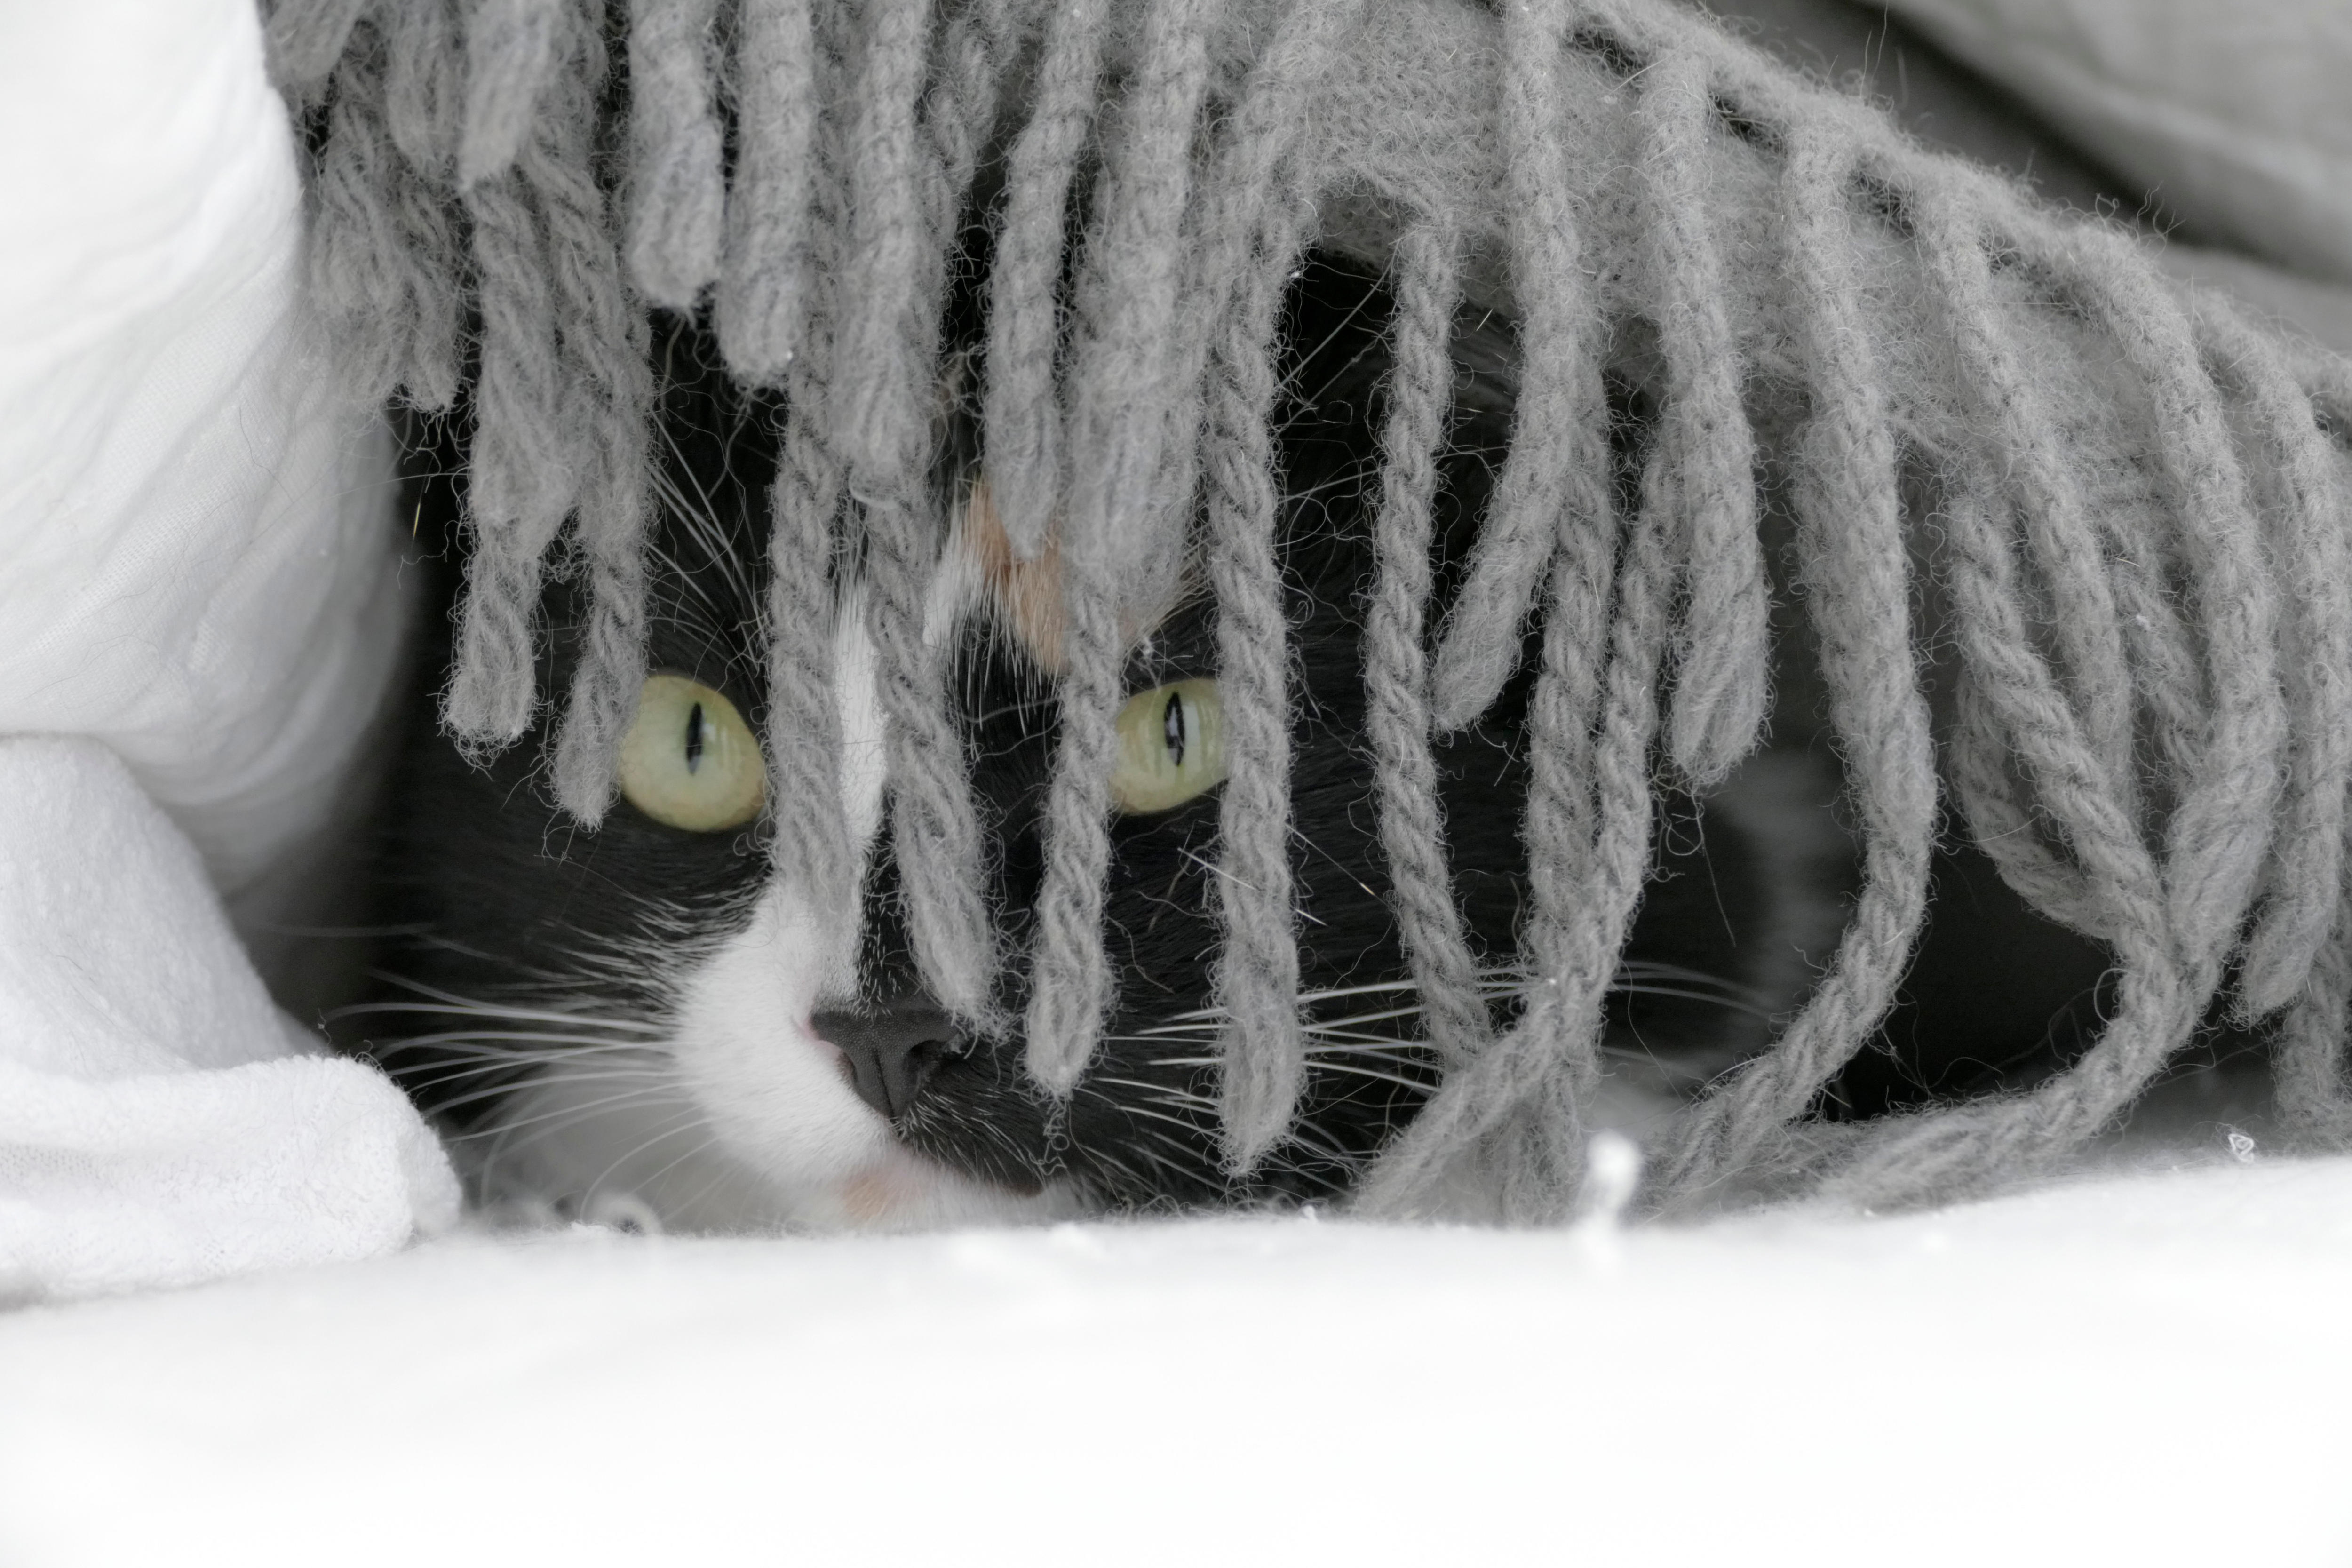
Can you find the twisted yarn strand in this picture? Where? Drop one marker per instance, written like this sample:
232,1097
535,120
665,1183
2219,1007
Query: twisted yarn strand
1479,644
2044,490
936,831
2306,865
1023,422
2219,835
1412,830
304,40
677,199
524,475
1256,972
606,381
761,305
1127,295
1721,661
1857,589
1513,1121
1909,1158
812,849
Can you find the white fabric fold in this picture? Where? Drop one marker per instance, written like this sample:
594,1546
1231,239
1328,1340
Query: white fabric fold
199,615
161,1122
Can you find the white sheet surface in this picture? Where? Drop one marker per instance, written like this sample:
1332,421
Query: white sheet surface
2151,1370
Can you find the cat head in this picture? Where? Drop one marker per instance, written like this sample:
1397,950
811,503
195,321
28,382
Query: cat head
648,1013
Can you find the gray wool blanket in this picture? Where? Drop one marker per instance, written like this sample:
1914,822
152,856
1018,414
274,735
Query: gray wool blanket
2132,497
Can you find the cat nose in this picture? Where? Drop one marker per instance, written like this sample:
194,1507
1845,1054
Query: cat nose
892,1050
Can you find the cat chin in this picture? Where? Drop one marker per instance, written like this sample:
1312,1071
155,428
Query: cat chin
660,1163
750,1123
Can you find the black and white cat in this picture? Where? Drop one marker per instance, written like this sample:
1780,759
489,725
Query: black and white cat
643,1021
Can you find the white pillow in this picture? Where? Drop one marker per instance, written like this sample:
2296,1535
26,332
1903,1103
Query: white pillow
2237,112
197,564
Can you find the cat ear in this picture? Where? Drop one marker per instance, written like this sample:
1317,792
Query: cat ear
1025,596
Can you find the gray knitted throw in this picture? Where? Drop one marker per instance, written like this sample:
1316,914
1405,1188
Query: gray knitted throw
2137,499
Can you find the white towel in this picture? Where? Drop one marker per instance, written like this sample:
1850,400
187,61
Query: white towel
161,1120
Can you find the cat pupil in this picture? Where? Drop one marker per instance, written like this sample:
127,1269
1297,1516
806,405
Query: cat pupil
694,739
1172,729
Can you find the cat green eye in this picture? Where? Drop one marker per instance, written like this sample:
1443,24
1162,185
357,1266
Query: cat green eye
689,760
1171,747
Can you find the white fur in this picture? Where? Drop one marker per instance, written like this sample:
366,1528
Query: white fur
744,1116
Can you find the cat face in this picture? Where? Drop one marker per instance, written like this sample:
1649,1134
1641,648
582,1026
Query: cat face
648,1015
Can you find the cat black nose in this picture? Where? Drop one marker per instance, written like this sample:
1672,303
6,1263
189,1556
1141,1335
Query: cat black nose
892,1050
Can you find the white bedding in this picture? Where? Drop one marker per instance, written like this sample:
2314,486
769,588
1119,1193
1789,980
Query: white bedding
199,618
2150,1371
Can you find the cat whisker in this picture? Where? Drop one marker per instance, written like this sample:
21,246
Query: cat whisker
686,1120
510,1065
450,1003
1419,1085
1169,1095
610,1075
465,1040
560,1116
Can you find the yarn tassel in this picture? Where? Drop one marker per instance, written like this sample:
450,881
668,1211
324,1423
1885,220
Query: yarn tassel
878,417
1857,589
1915,1158
424,85
1512,1122
1396,676
762,301
606,389
883,356
1127,298
304,40
2219,835
1252,219
2311,1089
677,198
812,850
1265,149
2044,488
1721,659
1480,643
371,281
2171,931
1022,419
522,465
423,99
1262,1048
2305,864
1070,983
